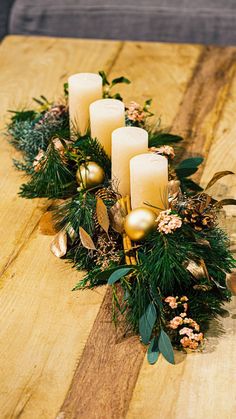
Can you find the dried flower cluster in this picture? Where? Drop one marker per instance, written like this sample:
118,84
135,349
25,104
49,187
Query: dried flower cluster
164,150
135,112
56,112
187,329
106,252
168,222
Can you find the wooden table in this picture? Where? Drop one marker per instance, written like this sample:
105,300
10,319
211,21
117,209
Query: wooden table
60,355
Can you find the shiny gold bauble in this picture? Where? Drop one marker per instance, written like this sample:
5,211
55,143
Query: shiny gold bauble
139,223
90,174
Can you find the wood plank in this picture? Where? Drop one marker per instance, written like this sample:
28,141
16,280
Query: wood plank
44,326
158,71
30,67
196,386
203,104
108,359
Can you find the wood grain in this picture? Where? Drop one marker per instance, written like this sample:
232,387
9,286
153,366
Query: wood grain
42,67
202,385
44,326
89,392
203,103
59,350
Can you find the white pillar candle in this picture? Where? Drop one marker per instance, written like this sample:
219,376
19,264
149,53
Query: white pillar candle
84,88
105,116
149,181
127,142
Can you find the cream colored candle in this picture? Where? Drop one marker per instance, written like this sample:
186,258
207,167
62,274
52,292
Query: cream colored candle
84,88
105,116
149,181
127,142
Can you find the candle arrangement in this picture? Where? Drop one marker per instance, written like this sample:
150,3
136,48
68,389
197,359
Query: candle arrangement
126,212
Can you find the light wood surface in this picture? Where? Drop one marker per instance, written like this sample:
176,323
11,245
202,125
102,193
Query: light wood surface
60,355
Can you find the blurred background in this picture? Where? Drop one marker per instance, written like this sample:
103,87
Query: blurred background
193,21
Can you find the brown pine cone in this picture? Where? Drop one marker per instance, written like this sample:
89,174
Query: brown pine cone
199,211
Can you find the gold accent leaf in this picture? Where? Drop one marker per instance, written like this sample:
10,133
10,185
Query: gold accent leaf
117,214
198,269
86,240
203,242
228,201
59,244
217,176
102,215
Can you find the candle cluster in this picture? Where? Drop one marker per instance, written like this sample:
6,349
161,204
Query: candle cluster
135,170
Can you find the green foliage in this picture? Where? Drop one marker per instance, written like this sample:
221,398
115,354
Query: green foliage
77,212
165,347
107,86
153,351
147,322
118,274
53,180
29,135
88,146
159,138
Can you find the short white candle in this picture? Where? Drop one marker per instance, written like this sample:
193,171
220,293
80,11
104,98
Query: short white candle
105,116
84,88
149,181
127,142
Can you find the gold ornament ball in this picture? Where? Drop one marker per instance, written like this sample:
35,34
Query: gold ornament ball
139,223
90,174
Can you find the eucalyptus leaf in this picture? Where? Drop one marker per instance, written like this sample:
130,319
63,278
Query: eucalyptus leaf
162,138
147,322
107,273
119,80
153,351
165,347
104,78
188,166
118,274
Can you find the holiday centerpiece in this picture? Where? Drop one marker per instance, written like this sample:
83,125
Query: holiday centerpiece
126,210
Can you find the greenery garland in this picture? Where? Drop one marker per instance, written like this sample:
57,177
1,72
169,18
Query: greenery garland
170,284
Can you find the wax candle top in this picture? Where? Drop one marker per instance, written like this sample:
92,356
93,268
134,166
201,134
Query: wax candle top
85,80
147,160
110,106
130,135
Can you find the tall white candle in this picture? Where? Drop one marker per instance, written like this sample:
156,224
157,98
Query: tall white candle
127,142
105,116
149,181
84,88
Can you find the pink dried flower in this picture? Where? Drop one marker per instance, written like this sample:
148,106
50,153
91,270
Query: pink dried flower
183,315
135,112
172,302
193,344
167,222
185,342
185,306
198,337
176,322
165,150
186,331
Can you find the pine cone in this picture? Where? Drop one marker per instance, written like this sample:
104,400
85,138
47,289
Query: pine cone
199,211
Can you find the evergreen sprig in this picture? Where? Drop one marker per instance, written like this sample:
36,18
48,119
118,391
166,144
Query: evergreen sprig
53,180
